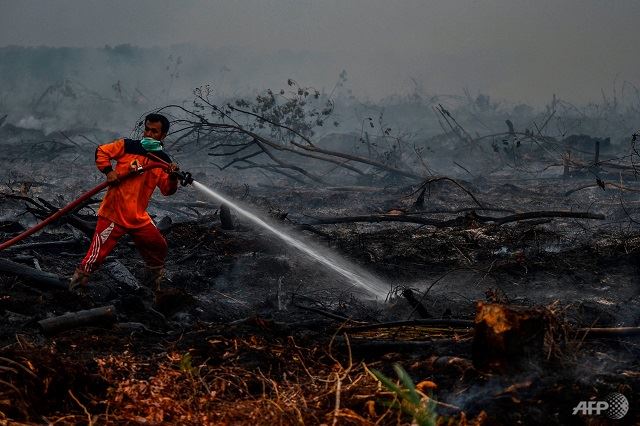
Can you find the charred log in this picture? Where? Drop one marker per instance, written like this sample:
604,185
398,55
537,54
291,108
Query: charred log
102,316
32,275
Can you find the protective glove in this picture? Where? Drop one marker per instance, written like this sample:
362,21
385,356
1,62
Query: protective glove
173,170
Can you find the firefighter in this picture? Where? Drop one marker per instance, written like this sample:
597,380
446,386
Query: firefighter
123,209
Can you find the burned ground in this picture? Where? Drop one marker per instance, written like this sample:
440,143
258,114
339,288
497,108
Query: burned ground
249,331
233,342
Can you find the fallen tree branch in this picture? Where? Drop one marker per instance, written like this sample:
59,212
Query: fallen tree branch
593,185
32,274
326,313
594,332
426,184
376,218
407,346
462,220
304,153
267,145
541,214
98,316
279,162
461,210
357,159
271,168
44,209
45,244
459,323
315,231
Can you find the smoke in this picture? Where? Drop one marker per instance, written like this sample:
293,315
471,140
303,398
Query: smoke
520,51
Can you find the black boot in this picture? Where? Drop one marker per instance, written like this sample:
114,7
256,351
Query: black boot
154,278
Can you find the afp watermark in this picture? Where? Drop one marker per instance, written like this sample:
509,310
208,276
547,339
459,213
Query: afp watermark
615,406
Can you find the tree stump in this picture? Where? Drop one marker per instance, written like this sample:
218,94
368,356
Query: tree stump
508,338
225,217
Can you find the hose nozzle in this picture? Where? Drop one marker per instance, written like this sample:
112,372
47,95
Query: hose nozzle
185,178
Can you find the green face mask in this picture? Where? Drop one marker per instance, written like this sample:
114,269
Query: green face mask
151,144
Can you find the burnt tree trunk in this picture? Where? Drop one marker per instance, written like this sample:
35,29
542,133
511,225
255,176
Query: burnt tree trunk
508,338
32,274
225,217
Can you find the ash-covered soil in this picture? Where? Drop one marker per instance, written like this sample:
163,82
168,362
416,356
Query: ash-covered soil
249,331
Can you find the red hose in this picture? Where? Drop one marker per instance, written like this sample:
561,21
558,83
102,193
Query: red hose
57,215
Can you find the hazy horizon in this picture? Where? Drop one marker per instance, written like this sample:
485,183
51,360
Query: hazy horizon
515,50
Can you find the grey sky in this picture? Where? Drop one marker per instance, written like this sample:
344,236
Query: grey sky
514,49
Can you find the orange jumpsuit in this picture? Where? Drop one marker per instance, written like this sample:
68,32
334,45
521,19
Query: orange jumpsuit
124,207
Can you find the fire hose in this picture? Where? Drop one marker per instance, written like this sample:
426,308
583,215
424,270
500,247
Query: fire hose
184,177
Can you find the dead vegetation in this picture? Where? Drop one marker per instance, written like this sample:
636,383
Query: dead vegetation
536,235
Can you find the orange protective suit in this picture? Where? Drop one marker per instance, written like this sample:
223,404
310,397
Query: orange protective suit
126,203
124,207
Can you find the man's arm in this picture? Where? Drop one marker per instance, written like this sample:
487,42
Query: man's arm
104,154
168,182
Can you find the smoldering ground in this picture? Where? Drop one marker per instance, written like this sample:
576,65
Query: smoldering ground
449,241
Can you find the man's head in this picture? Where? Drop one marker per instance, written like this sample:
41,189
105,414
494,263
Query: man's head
156,126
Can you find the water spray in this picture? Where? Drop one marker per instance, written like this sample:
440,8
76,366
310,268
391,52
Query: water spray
360,278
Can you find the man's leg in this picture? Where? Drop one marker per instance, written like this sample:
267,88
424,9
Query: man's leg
104,240
153,249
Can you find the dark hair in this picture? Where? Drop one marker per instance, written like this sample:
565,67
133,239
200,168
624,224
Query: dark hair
154,118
